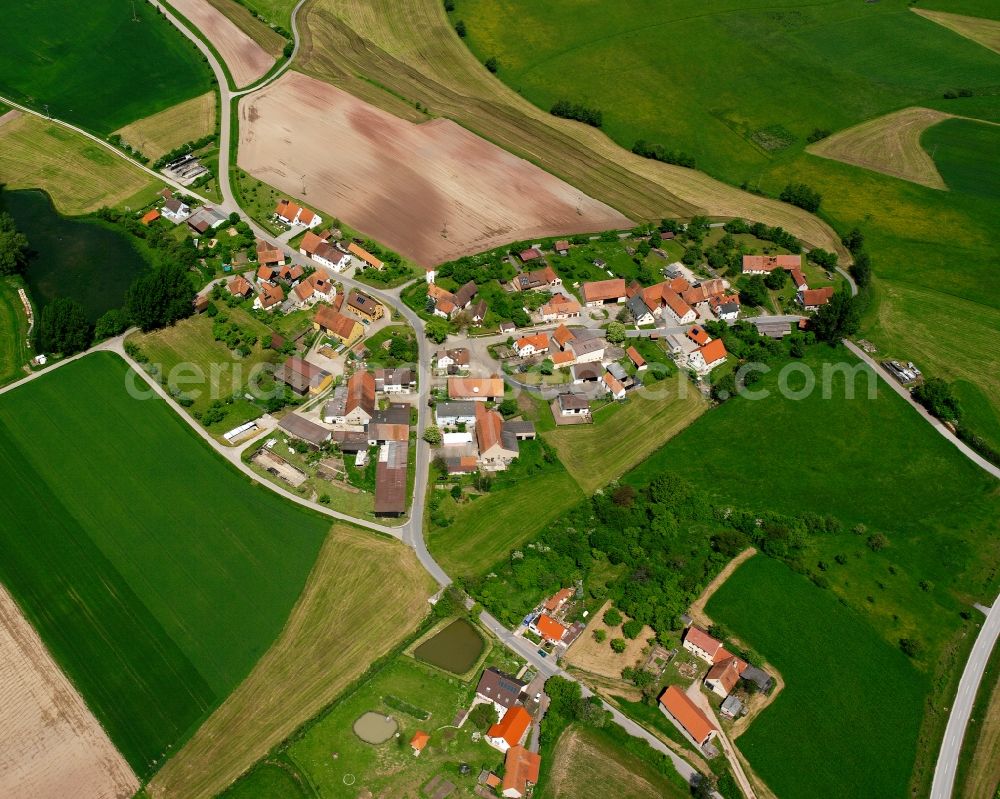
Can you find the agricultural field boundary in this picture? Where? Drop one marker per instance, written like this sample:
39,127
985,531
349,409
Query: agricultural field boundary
889,144
978,29
160,133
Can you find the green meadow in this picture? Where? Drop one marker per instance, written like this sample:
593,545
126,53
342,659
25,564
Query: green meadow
846,722
93,65
743,88
878,468
155,573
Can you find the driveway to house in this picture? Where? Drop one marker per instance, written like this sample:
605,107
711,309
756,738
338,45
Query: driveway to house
695,694
951,746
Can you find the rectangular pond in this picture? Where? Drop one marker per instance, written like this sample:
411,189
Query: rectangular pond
456,648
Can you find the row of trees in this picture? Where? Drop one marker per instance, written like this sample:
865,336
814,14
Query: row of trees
13,247
658,152
577,111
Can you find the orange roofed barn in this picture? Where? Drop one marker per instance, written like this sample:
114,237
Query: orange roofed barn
510,730
520,770
419,741
678,706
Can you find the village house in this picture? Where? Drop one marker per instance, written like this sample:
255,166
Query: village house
269,255
510,730
452,414
537,344
478,311
763,264
573,405
321,285
701,644
538,279
265,274
481,389
360,399
364,306
708,356
724,676
798,279
390,478
303,377
698,335
332,323
497,447
239,286
382,432
637,360
603,292
586,373
726,307
562,247
814,299
269,298
641,313
293,214
549,629
530,254
464,295
614,386
301,428
588,350
395,381
174,210
419,741
364,258
323,252
679,708
499,689
704,291
445,308
559,307
205,219
680,311
556,602
562,336
459,356
520,772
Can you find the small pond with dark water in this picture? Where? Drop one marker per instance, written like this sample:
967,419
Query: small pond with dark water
456,648
83,258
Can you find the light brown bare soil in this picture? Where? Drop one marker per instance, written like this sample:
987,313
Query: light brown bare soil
983,778
432,192
50,743
247,60
582,769
889,144
589,656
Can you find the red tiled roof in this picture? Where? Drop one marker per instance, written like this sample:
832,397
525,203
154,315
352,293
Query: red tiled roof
726,672
489,427
419,740
150,216
512,726
563,335
635,357
520,768
817,296
361,392
613,384
335,322
698,335
714,351
558,598
679,705
702,640
767,263
601,290
676,304
239,285
550,628
539,341
364,255
473,387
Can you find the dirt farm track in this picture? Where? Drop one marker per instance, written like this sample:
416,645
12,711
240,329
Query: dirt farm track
50,743
432,192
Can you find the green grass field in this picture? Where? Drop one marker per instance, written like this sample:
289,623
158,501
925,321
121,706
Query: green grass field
14,349
154,573
92,65
871,462
521,503
624,434
957,147
846,723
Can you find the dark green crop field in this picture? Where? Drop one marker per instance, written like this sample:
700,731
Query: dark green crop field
155,573
93,65
846,723
960,149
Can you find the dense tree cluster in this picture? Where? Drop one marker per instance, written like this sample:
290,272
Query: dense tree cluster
801,195
13,247
776,235
160,297
577,111
62,327
658,152
668,538
937,397
839,318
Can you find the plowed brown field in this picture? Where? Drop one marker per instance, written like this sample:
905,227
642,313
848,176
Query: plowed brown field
432,192
247,60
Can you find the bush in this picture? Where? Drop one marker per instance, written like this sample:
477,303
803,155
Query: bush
632,628
912,647
612,617
460,29
600,636
877,542
618,645
659,153
492,64
937,397
817,134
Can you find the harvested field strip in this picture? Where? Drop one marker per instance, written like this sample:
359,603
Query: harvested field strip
889,144
53,745
364,595
980,30
155,573
79,175
433,192
624,435
14,350
160,133
410,50
981,746
237,13
246,59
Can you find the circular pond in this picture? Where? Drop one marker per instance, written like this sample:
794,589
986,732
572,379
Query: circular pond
375,728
